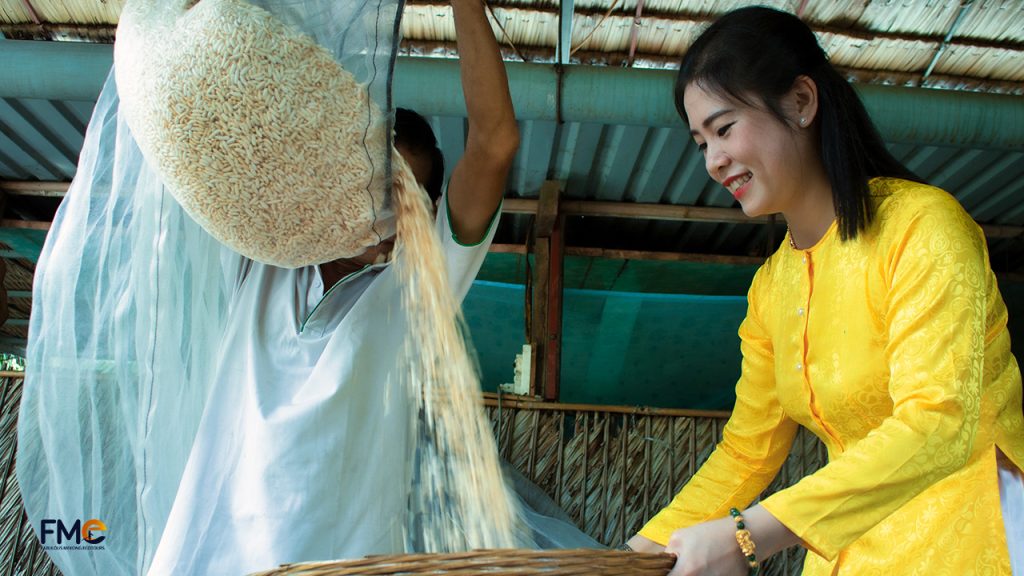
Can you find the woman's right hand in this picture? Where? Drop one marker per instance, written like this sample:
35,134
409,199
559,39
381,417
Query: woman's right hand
702,549
707,549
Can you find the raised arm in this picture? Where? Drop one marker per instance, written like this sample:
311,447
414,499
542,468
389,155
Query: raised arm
478,180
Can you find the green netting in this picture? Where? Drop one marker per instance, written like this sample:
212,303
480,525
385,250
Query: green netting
664,350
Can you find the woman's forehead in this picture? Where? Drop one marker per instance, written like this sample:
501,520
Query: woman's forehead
701,104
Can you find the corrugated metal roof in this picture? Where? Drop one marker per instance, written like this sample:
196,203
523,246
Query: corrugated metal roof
41,139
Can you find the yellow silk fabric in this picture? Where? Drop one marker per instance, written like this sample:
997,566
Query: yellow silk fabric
893,349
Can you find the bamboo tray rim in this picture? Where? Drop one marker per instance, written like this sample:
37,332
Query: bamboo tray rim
493,561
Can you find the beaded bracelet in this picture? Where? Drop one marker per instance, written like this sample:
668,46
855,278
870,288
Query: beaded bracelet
745,541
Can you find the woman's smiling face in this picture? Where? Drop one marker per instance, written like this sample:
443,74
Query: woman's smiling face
749,150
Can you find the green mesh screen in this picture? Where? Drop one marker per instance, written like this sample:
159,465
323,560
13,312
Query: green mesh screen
629,348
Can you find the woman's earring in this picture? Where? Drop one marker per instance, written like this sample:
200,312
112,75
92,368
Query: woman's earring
802,121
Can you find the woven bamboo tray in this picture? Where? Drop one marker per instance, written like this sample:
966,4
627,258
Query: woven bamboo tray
522,562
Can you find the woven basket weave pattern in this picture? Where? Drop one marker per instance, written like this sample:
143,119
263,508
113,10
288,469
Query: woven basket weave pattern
511,562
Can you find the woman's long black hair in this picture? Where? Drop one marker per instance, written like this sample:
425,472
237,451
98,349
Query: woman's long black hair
757,53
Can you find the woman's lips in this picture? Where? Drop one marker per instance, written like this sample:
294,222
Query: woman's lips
738,185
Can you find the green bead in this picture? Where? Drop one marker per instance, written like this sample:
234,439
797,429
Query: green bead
751,558
740,525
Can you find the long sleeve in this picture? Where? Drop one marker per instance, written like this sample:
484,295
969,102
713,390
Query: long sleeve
755,441
935,273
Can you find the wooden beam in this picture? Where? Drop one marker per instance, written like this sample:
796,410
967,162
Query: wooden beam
546,296
539,312
511,206
547,208
519,206
25,224
634,33
507,249
17,188
553,343
528,403
670,212
658,212
663,256
31,12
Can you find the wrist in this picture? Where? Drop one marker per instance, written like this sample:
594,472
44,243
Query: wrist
639,543
745,542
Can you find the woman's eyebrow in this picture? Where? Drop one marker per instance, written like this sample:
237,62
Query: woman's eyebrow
711,118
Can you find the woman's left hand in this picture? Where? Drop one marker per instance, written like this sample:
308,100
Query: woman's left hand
707,549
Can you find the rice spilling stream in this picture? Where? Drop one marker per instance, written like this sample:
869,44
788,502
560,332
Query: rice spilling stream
461,493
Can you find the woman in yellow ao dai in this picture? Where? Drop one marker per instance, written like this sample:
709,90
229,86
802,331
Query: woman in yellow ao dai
878,325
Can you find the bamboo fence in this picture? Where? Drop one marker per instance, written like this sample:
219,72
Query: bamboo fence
609,468
613,468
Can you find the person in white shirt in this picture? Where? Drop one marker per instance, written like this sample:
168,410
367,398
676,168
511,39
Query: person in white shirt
206,414
305,449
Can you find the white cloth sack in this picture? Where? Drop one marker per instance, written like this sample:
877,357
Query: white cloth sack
1011,498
